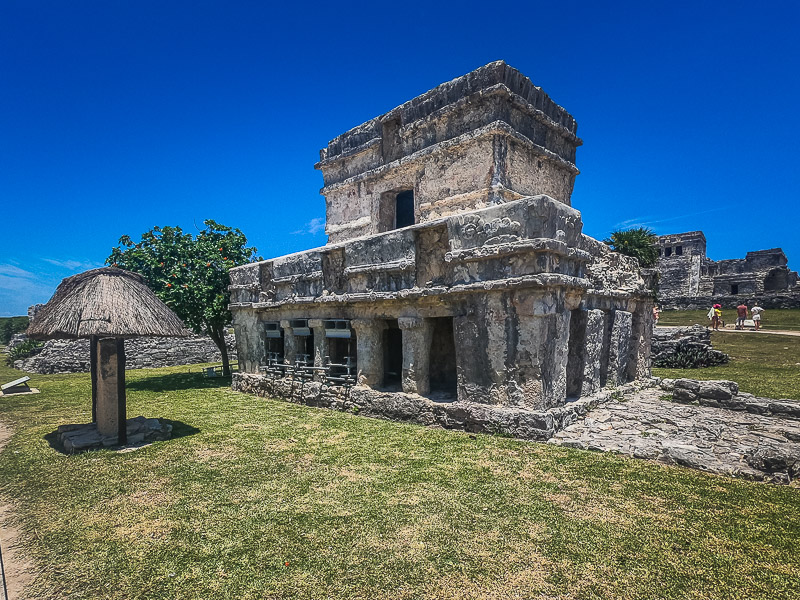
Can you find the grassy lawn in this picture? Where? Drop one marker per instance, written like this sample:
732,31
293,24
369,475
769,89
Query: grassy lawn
263,499
786,319
764,365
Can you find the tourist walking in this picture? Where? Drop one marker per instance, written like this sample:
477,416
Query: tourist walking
715,314
756,312
656,313
741,315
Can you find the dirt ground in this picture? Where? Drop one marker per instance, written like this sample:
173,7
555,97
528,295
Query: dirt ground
19,570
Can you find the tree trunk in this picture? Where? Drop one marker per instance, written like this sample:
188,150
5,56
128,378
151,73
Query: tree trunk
217,335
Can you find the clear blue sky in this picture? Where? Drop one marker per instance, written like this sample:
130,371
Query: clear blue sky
118,116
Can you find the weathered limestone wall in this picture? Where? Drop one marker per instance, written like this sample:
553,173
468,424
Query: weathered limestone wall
401,406
686,272
72,356
485,138
769,301
509,276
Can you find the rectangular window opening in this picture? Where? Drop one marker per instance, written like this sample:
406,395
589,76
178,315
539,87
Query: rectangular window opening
404,209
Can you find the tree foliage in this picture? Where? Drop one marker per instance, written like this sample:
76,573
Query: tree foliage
11,325
638,242
189,273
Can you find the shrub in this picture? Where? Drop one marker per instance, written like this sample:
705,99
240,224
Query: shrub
691,356
23,350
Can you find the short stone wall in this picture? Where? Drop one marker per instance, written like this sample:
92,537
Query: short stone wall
72,356
694,340
768,301
726,394
399,406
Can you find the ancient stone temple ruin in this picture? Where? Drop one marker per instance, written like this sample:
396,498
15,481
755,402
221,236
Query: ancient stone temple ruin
456,286
688,278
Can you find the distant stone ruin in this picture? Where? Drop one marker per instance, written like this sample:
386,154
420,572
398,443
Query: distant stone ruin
456,287
689,279
72,356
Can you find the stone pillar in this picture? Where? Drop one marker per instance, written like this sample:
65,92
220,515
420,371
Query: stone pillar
641,339
619,349
417,335
593,351
111,415
250,349
289,344
320,345
369,350
554,360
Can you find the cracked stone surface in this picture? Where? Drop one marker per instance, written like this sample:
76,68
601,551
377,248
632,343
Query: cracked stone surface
716,440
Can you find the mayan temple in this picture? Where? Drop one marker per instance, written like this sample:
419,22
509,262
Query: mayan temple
456,287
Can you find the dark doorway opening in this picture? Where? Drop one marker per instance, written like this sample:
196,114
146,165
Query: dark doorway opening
404,209
392,356
734,288
342,355
443,378
576,355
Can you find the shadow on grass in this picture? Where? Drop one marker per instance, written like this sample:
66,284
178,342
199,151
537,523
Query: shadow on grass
177,381
179,430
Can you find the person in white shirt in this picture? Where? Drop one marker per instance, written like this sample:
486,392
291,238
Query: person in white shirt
756,312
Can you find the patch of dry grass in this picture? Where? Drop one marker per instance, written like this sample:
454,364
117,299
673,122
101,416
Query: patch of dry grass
263,499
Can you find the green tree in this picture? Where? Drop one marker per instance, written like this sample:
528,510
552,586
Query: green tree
6,332
190,274
638,242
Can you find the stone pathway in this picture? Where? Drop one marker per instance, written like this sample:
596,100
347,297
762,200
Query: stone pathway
770,331
716,440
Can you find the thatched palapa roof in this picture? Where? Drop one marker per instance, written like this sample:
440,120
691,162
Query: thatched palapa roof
106,302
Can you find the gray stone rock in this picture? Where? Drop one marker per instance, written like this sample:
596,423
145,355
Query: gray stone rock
715,440
140,430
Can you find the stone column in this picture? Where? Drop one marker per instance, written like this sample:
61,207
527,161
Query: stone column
111,388
417,335
289,343
641,339
250,349
619,350
320,345
593,351
554,359
369,350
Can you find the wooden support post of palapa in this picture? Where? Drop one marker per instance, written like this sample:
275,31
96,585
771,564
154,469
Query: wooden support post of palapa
93,367
122,438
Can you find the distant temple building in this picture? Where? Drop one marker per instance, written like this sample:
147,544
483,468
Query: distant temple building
688,276
456,286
